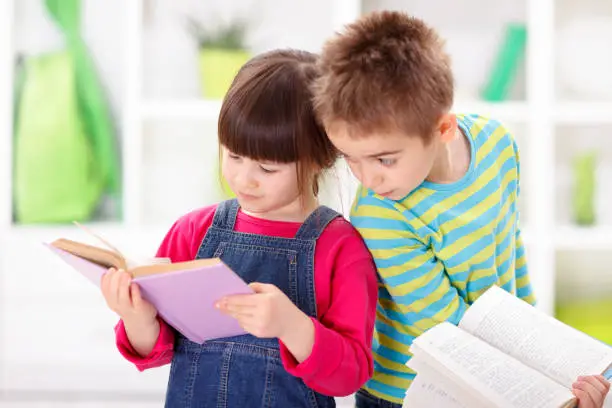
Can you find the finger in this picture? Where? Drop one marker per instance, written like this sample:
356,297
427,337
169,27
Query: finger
235,309
601,379
113,286
243,320
597,383
135,295
254,329
123,290
262,287
593,398
240,310
240,300
584,401
249,324
105,282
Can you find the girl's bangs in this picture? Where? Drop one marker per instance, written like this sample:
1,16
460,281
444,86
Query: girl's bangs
265,133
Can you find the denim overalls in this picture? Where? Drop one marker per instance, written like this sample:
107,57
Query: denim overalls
246,371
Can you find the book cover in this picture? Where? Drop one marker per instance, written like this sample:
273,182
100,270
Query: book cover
184,297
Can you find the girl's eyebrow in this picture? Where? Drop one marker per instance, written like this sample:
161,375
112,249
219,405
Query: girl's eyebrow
270,163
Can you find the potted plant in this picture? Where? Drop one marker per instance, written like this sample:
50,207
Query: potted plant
222,53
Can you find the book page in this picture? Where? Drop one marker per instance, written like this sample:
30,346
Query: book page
426,392
534,338
134,260
432,389
500,379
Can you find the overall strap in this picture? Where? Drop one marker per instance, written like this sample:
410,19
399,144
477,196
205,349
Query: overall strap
316,222
225,214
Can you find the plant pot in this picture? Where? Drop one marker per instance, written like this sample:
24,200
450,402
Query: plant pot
218,67
583,197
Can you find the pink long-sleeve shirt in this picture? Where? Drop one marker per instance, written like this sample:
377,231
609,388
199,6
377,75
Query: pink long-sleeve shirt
346,293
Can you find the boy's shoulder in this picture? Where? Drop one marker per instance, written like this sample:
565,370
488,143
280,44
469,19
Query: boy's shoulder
485,130
372,211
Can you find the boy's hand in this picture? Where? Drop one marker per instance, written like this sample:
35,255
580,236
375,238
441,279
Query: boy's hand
266,313
591,391
123,297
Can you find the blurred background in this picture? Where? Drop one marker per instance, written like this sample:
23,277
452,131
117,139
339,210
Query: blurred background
108,116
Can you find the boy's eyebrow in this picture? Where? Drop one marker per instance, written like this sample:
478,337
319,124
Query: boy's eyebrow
385,153
374,155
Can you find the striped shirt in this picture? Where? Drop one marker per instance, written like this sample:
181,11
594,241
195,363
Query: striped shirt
438,249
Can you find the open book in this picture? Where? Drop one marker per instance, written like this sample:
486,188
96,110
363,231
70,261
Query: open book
504,353
184,293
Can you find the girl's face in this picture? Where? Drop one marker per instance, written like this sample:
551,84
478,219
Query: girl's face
264,189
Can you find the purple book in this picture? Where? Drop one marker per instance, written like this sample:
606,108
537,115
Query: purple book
184,299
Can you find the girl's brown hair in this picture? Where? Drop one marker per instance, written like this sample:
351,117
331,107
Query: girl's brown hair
268,115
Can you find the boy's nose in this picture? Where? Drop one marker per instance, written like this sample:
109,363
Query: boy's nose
370,181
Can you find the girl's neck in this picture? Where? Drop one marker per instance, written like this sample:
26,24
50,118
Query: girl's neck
296,211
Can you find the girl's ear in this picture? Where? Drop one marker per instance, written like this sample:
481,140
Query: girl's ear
447,126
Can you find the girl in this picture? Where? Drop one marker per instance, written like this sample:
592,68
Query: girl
310,320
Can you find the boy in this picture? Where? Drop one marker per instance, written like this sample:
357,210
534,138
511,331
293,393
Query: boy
437,205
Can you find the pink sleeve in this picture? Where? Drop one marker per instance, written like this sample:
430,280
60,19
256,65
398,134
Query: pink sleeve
180,244
160,355
341,358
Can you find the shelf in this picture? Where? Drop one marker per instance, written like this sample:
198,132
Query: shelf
45,228
209,109
105,229
188,109
583,238
587,113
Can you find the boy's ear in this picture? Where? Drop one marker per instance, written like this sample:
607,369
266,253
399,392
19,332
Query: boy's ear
447,126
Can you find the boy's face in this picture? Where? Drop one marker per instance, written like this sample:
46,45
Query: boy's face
267,190
390,164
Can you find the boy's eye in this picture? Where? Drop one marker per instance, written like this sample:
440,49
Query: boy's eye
386,162
233,156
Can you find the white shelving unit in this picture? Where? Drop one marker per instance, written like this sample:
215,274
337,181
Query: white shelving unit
6,100
539,115
168,109
6,111
56,335
28,275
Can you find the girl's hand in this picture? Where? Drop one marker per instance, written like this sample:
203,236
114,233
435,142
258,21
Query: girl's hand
266,313
123,297
591,391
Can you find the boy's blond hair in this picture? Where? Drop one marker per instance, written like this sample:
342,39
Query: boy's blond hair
387,71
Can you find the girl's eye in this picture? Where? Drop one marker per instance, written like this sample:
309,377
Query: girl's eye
267,171
233,156
387,162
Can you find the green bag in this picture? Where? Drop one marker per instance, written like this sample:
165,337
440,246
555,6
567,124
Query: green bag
65,154
55,176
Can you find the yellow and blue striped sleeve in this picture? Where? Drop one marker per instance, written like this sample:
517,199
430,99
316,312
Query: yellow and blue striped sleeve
418,292
524,289
523,284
